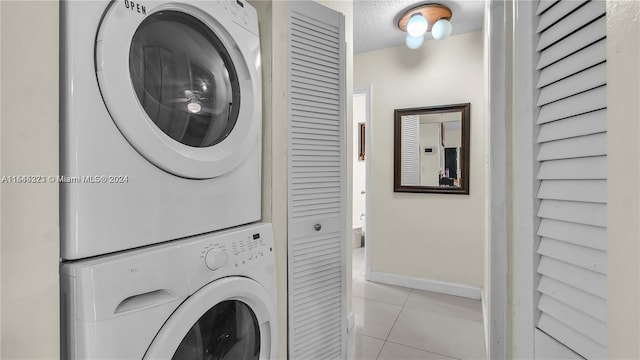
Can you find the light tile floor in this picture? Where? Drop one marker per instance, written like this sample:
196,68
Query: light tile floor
396,323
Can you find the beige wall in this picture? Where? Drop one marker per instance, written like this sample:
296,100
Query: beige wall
430,236
272,17
29,212
623,179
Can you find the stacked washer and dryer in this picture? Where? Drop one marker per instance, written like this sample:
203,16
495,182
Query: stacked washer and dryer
162,252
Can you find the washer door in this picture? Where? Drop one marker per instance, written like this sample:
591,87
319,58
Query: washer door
178,87
232,319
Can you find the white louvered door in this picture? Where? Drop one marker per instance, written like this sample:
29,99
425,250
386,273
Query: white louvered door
572,268
316,188
410,159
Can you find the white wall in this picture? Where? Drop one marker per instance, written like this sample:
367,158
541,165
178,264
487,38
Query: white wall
430,236
453,138
623,180
29,212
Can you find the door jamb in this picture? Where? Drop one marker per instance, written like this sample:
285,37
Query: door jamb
525,168
367,89
498,78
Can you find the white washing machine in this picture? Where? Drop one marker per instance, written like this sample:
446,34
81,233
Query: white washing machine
160,121
207,297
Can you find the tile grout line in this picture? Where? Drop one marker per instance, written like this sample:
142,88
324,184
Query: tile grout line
451,314
399,313
380,351
394,323
429,351
378,301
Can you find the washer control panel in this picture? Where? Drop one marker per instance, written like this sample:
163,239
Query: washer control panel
215,259
235,251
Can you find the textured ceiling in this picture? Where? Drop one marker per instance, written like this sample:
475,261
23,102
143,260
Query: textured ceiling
375,21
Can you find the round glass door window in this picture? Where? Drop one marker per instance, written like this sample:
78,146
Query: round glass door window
184,78
228,331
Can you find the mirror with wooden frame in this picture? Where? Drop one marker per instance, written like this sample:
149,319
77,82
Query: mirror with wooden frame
431,149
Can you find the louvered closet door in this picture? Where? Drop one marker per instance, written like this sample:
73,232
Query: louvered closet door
316,189
572,268
410,159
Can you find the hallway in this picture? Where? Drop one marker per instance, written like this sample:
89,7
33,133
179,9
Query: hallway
394,323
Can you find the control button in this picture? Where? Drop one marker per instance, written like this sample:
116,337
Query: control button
215,259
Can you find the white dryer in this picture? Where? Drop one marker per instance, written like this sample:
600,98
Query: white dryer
160,121
208,297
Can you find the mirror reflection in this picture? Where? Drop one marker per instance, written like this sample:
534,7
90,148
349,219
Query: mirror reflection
431,148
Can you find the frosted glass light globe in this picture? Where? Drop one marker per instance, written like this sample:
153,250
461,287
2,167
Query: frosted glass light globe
414,42
417,25
441,29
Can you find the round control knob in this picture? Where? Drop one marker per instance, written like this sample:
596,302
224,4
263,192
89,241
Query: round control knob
215,259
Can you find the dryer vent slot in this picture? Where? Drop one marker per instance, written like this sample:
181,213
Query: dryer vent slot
150,298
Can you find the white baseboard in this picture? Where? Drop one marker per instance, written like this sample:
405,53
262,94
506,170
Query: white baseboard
351,323
467,291
351,332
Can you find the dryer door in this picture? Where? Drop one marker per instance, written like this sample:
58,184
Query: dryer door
181,85
232,319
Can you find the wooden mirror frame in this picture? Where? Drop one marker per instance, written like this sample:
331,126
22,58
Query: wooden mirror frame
463,189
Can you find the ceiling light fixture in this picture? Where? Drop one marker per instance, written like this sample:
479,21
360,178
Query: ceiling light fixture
428,17
414,42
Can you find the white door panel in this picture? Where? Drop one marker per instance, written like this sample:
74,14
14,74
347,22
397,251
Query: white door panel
572,150
316,182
